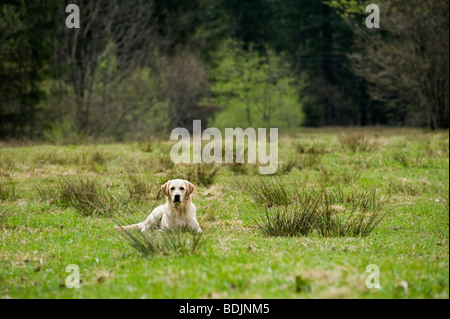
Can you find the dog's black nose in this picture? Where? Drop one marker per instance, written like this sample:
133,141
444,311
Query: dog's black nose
176,198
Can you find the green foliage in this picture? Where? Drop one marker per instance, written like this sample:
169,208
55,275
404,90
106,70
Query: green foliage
141,69
412,77
253,90
348,8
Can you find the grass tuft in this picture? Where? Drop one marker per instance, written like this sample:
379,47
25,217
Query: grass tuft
7,189
358,142
199,174
288,221
87,196
286,167
269,191
313,149
330,213
346,176
360,213
155,242
141,189
235,167
47,192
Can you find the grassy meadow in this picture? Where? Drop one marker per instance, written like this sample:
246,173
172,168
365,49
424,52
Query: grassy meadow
342,199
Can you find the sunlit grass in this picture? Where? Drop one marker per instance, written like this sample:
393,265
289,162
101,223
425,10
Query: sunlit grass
328,213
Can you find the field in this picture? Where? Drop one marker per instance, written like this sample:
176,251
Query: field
59,204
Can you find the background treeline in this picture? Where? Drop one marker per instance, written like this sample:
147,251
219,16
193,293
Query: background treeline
137,68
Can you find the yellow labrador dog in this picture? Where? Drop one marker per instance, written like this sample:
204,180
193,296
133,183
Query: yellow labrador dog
177,212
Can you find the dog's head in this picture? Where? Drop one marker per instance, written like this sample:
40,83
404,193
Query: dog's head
178,190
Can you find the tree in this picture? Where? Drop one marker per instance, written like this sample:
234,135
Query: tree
111,32
406,63
25,28
185,84
253,90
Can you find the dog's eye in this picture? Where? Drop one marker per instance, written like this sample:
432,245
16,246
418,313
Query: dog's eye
172,188
181,189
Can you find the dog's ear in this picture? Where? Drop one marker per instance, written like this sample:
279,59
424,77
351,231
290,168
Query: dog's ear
189,188
165,188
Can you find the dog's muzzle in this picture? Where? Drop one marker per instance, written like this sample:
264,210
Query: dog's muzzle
176,199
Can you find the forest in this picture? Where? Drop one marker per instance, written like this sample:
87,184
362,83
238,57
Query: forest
139,68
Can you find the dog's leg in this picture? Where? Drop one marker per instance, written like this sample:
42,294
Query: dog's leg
194,225
141,226
153,220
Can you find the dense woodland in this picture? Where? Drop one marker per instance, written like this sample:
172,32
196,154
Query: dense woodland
139,68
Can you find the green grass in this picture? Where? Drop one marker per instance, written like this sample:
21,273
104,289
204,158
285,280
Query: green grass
58,205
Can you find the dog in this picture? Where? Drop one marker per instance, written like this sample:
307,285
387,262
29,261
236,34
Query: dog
177,212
